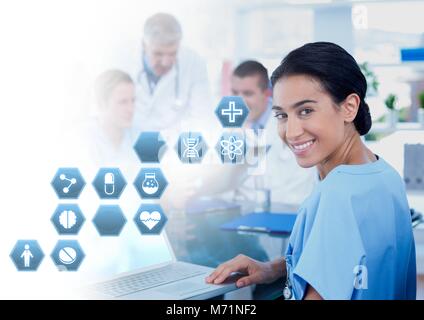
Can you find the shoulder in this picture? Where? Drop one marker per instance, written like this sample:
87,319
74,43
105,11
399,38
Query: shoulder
352,180
330,201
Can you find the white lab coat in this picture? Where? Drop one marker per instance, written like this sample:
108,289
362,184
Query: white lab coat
180,100
92,147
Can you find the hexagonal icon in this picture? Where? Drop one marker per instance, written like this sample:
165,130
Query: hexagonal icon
232,111
150,219
191,147
150,183
109,183
150,146
67,219
68,183
27,255
67,255
109,220
231,148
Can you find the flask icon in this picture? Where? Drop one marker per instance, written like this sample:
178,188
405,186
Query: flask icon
150,185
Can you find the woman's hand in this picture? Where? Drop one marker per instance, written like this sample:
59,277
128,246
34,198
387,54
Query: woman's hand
256,272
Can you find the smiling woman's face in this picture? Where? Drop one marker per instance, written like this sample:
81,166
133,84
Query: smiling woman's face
309,122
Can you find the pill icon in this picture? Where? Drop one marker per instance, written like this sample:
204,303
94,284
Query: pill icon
109,183
67,255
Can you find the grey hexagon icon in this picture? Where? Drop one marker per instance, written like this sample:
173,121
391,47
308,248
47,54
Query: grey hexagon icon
231,148
68,183
150,183
27,255
191,147
67,219
232,111
150,147
150,219
109,183
109,220
67,255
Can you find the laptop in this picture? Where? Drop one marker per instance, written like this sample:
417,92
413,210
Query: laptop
166,280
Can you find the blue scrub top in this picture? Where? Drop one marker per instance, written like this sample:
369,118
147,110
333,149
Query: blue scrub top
353,237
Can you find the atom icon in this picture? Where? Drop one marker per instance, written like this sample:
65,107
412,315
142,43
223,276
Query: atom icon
232,147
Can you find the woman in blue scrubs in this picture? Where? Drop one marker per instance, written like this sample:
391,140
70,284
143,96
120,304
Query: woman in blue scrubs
353,237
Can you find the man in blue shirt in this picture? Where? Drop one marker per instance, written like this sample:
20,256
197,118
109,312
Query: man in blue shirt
250,81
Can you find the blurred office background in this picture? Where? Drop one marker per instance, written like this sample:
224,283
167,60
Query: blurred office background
386,37
108,34
56,51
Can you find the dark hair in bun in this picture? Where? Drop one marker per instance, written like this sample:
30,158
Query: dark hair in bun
336,70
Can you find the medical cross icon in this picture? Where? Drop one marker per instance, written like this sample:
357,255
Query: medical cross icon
232,112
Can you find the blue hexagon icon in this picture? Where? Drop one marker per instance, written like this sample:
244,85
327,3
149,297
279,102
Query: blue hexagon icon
232,111
150,183
231,148
67,255
67,219
109,220
150,147
68,183
191,147
150,219
27,255
109,183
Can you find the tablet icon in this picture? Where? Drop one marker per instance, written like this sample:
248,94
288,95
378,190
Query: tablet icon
67,255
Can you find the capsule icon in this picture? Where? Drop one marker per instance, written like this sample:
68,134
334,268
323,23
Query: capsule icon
109,183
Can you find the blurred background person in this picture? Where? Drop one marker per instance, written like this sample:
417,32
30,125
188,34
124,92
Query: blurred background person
107,136
172,83
225,189
107,140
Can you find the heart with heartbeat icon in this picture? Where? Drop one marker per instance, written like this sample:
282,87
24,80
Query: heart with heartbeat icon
150,219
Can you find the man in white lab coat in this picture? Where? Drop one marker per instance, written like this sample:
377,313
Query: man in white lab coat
172,82
281,175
